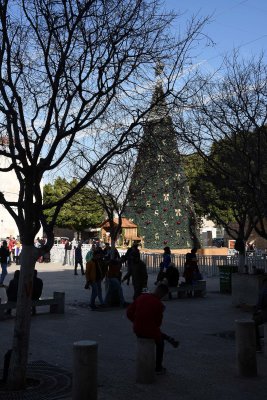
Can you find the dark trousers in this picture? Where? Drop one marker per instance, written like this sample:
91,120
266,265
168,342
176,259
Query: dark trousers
76,266
159,350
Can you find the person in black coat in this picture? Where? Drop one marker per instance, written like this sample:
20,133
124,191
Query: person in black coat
4,259
12,289
78,259
37,288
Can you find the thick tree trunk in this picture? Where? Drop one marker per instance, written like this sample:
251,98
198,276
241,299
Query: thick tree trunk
113,243
241,262
19,358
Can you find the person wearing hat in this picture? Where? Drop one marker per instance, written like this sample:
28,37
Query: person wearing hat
146,314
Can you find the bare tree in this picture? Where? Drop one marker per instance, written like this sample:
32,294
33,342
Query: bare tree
111,184
68,72
229,113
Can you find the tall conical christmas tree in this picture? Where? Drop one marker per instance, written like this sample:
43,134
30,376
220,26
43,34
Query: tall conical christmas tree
159,198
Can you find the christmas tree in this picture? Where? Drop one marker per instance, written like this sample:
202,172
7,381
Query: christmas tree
159,197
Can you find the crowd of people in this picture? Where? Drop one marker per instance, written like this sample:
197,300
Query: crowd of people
107,264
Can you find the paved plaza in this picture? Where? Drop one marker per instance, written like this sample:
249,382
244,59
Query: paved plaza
202,368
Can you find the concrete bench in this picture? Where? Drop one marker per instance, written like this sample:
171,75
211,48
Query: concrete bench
198,289
56,303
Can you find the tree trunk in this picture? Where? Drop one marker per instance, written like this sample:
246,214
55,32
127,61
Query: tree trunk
113,243
241,262
21,338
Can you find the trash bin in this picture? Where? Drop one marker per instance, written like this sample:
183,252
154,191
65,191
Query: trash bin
226,277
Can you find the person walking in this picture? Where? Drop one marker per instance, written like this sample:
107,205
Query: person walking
17,251
90,253
78,259
4,259
67,247
95,272
114,294
164,265
132,257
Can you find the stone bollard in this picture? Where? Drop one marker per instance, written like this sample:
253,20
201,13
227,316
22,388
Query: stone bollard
145,361
58,308
84,382
246,348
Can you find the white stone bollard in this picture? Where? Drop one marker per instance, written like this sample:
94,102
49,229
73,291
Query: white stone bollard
246,348
145,361
84,382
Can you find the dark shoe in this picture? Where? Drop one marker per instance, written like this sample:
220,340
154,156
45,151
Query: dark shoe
259,349
160,371
83,273
102,305
75,273
173,342
93,308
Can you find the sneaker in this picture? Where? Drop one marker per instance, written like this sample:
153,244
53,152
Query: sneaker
160,371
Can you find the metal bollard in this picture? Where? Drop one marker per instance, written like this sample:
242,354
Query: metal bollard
145,361
84,382
246,348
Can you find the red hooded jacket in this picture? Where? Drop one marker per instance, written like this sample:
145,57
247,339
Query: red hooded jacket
146,313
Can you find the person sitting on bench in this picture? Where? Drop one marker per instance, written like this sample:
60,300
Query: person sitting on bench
12,289
37,288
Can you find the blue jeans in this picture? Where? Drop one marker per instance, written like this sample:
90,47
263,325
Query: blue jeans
114,286
96,292
4,272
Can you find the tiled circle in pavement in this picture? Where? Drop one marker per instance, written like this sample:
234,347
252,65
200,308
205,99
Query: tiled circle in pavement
54,384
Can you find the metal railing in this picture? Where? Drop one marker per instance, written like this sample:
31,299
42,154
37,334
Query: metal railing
208,265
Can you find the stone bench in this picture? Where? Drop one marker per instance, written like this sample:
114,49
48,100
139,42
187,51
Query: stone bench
56,303
197,289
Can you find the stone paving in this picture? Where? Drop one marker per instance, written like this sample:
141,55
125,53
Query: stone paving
203,367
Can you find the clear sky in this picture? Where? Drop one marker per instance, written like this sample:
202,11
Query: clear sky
234,24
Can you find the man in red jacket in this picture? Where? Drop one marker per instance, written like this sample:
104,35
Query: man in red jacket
146,313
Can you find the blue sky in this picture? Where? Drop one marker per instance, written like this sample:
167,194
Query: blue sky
234,24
